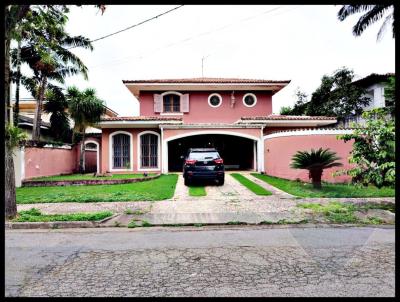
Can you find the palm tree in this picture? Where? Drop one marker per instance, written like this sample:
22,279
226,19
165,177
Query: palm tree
85,109
57,105
315,162
373,13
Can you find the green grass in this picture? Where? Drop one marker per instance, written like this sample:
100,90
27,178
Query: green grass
336,212
302,189
157,189
252,186
89,176
34,215
197,191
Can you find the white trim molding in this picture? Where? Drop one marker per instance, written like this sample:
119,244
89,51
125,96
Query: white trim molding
218,96
309,132
139,168
98,153
110,151
249,94
171,92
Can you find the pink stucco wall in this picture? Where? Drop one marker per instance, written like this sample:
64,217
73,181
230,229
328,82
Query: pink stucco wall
279,152
201,112
105,143
49,161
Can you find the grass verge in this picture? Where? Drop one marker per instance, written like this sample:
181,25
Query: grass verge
89,176
157,189
252,186
197,191
328,190
338,212
34,215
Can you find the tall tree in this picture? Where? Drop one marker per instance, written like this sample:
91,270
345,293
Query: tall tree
85,109
372,14
57,105
390,95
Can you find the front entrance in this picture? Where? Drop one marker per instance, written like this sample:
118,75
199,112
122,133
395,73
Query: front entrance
238,153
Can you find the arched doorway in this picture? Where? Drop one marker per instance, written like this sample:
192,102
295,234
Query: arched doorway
92,156
238,152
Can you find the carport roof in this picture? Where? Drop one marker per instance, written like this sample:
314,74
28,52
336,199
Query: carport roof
287,117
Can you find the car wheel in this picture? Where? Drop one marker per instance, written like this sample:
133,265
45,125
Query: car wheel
187,182
221,181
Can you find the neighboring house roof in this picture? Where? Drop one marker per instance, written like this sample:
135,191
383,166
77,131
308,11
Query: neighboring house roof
373,78
287,117
28,121
29,104
204,84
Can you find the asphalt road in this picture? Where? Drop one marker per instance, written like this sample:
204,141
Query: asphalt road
235,261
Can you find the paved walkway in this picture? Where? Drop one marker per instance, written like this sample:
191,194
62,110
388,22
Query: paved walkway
227,203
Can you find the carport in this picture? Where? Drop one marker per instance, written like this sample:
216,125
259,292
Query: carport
238,153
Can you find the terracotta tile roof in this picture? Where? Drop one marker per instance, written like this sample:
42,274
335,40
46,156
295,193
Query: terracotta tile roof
207,80
287,117
141,118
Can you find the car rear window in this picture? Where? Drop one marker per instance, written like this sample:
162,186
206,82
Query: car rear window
203,155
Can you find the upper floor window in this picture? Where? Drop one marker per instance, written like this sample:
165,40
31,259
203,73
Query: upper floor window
249,100
172,103
214,100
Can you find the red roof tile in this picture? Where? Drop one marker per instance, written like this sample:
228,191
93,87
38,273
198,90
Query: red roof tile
287,117
207,80
141,118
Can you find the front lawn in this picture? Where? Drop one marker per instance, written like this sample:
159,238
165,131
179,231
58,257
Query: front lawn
34,215
197,191
89,176
252,186
302,189
157,189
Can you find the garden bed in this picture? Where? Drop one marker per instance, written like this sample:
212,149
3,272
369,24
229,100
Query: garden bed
64,181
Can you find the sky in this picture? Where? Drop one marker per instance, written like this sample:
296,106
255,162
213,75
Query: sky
300,43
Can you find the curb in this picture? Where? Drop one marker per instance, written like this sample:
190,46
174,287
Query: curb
96,224
51,225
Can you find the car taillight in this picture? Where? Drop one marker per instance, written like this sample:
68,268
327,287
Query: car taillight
190,161
219,161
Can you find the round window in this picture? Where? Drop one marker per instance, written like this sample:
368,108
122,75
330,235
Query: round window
214,100
249,100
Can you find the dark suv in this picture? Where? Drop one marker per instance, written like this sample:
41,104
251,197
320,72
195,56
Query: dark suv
203,163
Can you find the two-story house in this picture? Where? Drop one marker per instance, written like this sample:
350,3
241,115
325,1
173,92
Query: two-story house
232,115
374,85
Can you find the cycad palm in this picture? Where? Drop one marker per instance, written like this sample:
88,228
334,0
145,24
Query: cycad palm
85,109
315,162
373,13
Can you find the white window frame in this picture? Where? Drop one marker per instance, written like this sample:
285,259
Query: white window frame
111,151
249,94
139,151
180,103
217,95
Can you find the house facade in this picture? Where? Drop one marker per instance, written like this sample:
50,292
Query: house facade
232,115
374,85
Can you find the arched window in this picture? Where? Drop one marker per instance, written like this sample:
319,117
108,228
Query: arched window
121,145
172,103
149,151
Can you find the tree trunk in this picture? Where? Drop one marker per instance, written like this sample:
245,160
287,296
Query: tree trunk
38,110
7,76
82,157
16,108
316,176
9,188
